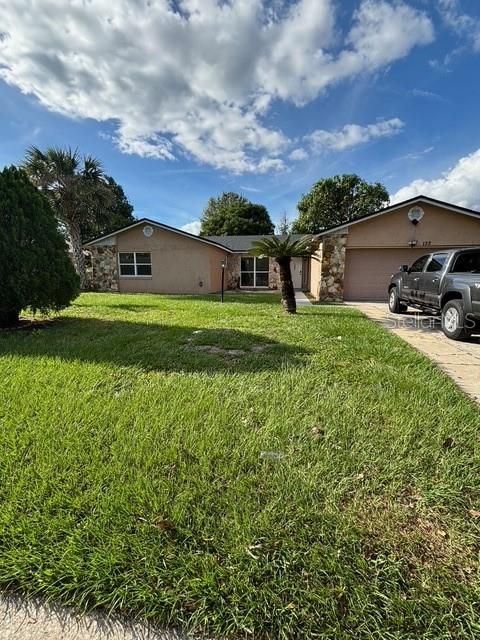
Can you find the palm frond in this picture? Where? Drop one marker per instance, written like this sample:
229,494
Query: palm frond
92,168
283,247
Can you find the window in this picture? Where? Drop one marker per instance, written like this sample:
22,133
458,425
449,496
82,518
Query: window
468,262
437,262
135,264
419,264
254,272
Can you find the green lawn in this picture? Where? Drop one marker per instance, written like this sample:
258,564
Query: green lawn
231,469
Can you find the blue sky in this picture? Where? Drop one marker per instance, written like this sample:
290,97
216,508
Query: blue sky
183,100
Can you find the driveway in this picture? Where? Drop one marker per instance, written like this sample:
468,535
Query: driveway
461,360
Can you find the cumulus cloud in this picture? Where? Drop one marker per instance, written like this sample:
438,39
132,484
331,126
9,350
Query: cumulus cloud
192,227
351,135
298,154
196,77
460,184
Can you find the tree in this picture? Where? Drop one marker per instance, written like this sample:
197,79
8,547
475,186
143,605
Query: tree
118,214
284,225
283,250
334,201
232,214
77,190
35,269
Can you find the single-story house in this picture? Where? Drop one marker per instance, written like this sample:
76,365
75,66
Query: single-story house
353,261
152,257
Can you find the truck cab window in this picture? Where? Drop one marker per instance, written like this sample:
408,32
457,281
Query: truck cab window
419,264
468,262
437,262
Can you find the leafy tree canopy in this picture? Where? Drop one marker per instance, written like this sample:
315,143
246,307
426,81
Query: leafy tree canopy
232,214
86,202
117,213
337,200
76,189
35,269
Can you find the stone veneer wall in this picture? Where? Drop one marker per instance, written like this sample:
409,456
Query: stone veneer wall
273,275
102,268
232,273
333,268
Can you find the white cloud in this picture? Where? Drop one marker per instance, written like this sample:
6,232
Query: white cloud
192,227
463,24
428,95
298,154
252,189
351,135
459,185
416,155
196,77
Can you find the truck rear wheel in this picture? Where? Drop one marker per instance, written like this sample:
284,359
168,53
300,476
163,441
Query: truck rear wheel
394,303
454,320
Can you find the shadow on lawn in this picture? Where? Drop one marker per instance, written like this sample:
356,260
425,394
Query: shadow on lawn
154,347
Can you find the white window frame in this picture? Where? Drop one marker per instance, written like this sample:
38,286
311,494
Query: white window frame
134,264
255,271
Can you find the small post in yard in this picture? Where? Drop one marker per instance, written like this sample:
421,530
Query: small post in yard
222,264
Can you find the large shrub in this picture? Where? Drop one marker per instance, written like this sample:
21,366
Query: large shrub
36,272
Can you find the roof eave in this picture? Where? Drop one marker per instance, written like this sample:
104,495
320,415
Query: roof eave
160,225
399,205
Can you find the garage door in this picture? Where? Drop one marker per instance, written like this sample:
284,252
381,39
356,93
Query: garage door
368,271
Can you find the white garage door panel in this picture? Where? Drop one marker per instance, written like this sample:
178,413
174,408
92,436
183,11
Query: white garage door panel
368,271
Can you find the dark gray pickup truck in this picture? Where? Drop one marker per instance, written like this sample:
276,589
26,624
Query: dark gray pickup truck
445,283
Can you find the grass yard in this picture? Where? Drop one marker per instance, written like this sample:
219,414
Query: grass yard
231,469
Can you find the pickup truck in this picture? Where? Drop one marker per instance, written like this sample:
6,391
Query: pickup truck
445,283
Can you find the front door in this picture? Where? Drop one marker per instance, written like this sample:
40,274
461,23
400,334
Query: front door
296,268
306,274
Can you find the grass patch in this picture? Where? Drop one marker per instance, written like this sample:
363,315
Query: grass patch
229,469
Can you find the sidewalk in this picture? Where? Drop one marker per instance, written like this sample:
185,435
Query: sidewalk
22,619
301,298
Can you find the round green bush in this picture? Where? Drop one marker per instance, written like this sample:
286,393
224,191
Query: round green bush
36,272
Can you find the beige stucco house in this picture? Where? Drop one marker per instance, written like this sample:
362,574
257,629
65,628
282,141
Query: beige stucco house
353,261
152,257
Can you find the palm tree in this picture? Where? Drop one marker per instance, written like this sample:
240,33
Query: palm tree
77,190
283,249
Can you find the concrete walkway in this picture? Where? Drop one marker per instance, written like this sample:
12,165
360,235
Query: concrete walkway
461,360
22,619
301,299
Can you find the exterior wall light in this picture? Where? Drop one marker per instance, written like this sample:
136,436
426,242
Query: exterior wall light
412,243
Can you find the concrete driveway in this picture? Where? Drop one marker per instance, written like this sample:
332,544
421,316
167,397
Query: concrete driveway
461,360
